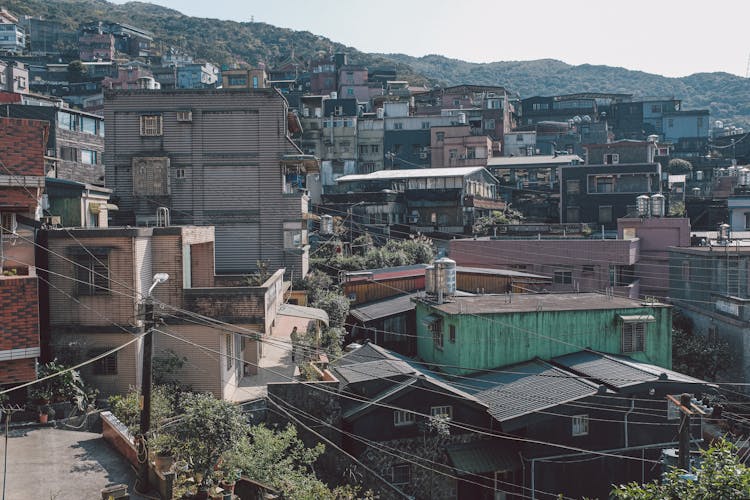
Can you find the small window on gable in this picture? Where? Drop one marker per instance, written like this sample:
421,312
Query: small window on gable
580,425
184,116
401,417
442,411
179,174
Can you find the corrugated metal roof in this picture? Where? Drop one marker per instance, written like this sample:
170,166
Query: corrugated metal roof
499,272
304,312
415,173
528,161
380,368
384,308
526,388
481,457
619,371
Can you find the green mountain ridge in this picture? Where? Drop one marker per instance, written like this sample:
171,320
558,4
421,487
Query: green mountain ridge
221,41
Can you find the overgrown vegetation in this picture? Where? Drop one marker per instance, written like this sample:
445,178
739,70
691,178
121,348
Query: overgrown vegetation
416,249
483,225
698,355
721,475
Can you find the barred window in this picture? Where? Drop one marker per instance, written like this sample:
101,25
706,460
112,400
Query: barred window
92,274
580,425
401,417
151,125
633,337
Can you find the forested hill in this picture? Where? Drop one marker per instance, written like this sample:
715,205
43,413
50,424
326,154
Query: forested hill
727,96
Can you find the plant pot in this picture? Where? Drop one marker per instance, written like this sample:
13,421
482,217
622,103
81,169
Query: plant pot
228,490
43,418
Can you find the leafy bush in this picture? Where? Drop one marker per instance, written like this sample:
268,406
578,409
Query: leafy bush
127,408
336,305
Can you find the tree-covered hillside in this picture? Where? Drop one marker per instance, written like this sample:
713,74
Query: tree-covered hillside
727,96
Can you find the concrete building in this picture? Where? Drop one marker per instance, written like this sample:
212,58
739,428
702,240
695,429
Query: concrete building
624,151
12,35
22,147
102,308
14,77
252,78
213,157
75,143
456,146
94,46
198,76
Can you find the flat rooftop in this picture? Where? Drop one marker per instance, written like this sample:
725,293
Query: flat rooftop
499,304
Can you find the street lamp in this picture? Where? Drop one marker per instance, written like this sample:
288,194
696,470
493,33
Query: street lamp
146,382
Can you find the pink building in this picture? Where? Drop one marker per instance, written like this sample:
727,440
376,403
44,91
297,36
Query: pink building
96,46
127,78
456,146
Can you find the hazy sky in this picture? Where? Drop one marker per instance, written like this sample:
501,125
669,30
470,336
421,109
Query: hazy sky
668,37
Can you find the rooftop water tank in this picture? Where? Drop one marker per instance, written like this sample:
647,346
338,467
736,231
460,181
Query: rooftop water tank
642,203
657,205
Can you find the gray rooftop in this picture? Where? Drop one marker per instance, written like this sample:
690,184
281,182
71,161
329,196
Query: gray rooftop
532,161
417,173
368,352
617,371
499,272
384,308
499,304
525,388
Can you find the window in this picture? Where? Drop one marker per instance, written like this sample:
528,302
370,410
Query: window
230,356
92,274
425,125
452,334
747,220
179,174
563,277
471,153
398,126
453,154
151,125
686,270
456,102
580,425
573,186
7,222
489,124
633,336
362,149
441,411
374,148
88,157
572,214
440,136
436,327
106,365
255,82
605,214
519,137
656,108
68,154
88,125
670,123
184,116
588,269
401,474
612,159
602,184
402,417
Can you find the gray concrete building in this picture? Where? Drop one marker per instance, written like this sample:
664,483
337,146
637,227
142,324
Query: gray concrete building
212,157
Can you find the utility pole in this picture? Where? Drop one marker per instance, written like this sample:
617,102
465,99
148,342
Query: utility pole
686,407
146,382
8,412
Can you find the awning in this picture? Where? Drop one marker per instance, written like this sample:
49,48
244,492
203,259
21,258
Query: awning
304,312
636,318
483,457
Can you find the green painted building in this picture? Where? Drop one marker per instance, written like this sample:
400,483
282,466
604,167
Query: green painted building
467,334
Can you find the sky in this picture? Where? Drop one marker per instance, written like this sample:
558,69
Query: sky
667,37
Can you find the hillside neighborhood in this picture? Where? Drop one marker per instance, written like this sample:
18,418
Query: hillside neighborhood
308,277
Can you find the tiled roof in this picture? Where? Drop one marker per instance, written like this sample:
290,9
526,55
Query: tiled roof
525,388
383,368
619,371
368,352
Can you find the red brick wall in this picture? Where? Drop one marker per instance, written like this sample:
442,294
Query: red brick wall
17,371
17,196
19,320
22,145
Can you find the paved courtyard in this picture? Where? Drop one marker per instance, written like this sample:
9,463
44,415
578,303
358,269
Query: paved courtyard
54,464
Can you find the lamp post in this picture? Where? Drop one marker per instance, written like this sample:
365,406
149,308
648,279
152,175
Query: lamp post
148,347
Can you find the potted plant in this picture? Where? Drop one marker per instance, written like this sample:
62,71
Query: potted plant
230,471
162,446
45,411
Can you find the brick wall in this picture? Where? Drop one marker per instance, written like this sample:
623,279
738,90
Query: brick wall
22,144
202,264
19,320
17,196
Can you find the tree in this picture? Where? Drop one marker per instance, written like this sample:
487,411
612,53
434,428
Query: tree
336,305
483,225
77,71
678,166
699,356
721,475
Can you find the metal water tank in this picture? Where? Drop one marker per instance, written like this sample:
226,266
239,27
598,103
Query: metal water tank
744,176
429,280
723,232
462,118
326,224
445,274
657,205
380,113
696,191
699,175
643,203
